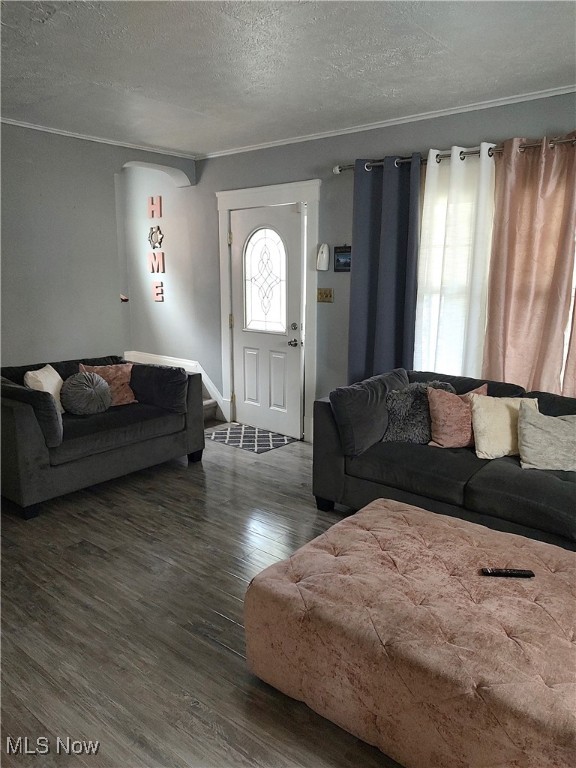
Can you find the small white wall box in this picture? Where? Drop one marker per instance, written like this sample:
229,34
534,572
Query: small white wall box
342,258
323,260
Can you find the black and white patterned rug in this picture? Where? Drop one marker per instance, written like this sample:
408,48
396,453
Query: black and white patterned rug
251,439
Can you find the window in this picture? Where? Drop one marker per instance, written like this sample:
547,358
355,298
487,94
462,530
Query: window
265,282
453,262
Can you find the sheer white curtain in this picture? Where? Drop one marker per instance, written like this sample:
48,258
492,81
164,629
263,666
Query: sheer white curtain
453,262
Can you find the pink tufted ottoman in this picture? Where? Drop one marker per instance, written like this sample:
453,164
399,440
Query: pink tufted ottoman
384,625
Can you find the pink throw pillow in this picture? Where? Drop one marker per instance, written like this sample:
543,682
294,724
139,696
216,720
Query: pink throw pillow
118,379
451,417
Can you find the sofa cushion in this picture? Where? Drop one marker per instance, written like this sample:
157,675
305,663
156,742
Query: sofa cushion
45,409
554,405
360,410
116,427
438,473
546,442
84,394
409,413
536,498
118,379
160,385
463,384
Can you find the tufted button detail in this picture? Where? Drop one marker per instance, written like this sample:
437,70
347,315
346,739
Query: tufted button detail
394,558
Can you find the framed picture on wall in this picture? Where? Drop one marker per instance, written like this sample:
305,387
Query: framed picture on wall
342,258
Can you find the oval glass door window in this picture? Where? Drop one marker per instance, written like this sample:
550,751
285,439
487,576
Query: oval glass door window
265,282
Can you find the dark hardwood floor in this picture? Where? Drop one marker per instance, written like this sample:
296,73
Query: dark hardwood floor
122,621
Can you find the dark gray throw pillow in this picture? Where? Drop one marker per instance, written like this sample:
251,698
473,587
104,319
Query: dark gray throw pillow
160,385
409,413
84,394
360,410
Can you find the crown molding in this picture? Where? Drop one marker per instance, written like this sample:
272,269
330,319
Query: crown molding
97,140
399,121
312,136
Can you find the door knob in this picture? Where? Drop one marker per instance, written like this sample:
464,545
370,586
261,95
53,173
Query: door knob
293,343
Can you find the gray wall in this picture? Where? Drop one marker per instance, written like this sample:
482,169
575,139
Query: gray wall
61,276
169,327
315,159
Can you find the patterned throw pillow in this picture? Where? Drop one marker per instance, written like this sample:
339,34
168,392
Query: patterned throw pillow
451,417
118,379
409,413
84,394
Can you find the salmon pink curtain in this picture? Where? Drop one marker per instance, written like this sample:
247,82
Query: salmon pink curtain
530,292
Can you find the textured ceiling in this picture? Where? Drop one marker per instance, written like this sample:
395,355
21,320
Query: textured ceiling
202,78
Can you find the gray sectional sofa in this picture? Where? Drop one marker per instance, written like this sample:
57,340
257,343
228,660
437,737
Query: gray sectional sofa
47,454
498,493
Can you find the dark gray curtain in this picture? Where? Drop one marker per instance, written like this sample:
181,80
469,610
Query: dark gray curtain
383,279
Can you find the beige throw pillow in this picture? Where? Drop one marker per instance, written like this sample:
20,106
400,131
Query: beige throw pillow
546,442
46,379
495,423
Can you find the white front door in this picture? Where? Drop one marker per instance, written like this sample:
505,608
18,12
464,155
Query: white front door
267,310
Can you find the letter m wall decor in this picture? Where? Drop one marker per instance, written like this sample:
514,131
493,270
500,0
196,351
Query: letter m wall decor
156,261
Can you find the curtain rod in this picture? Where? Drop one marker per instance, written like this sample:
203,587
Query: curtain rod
442,156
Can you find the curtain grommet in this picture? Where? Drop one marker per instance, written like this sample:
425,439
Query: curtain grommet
462,156
396,163
367,166
438,158
490,151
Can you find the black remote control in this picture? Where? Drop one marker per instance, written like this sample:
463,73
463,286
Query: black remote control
519,573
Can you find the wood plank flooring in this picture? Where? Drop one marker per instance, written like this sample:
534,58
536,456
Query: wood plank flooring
122,620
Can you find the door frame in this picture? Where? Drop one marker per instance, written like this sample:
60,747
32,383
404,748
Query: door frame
307,193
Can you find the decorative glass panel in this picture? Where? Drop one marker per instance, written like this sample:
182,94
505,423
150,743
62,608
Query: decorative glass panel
265,282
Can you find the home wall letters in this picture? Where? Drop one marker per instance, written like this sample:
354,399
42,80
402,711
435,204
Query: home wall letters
156,261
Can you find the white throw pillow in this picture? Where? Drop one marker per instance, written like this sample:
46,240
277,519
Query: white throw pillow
546,442
495,422
46,380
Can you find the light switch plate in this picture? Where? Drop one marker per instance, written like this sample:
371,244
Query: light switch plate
325,295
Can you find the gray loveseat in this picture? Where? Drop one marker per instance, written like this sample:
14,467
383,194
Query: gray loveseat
47,454
498,493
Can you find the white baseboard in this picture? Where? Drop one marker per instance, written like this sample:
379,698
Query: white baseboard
190,366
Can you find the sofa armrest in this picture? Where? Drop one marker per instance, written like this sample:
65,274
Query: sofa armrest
43,406
195,414
25,455
328,471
